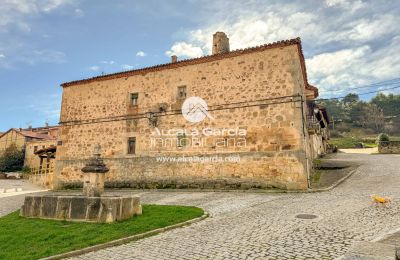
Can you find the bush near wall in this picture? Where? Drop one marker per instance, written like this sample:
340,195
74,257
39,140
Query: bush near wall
12,159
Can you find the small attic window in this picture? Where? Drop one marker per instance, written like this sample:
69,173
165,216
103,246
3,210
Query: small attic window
134,99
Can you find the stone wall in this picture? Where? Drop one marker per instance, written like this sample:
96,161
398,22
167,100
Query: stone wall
260,93
389,147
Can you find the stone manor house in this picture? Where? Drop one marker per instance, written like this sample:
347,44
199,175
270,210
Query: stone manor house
258,127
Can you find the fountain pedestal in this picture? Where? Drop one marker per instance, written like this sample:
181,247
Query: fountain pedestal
93,175
92,206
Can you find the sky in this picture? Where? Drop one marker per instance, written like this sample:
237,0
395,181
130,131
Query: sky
44,43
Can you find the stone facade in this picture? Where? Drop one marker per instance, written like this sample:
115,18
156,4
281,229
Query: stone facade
261,91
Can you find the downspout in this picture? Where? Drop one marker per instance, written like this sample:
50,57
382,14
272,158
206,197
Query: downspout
305,142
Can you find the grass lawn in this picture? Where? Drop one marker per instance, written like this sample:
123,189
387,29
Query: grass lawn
22,238
350,142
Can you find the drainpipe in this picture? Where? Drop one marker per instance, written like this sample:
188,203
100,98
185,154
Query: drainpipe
305,142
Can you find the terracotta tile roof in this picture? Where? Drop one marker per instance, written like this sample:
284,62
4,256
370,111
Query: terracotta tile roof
203,59
35,135
51,149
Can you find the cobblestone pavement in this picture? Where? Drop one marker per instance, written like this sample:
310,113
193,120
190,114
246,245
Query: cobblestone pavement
9,202
263,226
246,225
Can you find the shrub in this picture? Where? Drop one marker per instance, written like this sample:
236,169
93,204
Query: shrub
382,137
12,159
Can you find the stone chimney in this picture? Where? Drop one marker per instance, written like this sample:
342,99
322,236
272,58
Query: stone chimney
174,58
220,43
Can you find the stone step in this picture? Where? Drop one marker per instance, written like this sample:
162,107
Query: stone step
9,190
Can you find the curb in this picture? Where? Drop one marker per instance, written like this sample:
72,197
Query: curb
125,240
386,235
336,183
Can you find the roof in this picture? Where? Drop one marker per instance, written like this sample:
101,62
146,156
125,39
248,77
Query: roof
36,135
51,149
203,59
30,134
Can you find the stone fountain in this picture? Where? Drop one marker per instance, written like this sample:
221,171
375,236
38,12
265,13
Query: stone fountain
92,206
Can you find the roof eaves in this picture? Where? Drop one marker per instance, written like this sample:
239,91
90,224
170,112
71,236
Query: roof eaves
186,62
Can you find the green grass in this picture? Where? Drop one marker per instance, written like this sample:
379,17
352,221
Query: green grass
22,238
350,142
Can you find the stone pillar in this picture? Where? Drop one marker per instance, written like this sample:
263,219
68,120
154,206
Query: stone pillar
220,43
93,179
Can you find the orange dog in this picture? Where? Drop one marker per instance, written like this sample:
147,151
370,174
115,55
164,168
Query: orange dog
377,200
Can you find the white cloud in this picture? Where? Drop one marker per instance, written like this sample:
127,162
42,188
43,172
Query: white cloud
79,12
185,49
2,56
141,54
357,66
18,12
352,5
127,67
94,68
109,62
346,43
17,22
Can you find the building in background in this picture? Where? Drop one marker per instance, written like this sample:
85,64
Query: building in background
262,93
30,140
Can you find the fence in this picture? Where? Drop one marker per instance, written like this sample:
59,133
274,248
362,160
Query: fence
43,175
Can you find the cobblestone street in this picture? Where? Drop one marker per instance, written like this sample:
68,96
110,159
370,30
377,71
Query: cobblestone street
245,225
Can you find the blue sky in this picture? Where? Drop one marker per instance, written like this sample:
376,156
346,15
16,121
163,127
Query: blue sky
44,43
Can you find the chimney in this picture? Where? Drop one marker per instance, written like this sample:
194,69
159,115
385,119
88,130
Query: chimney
174,58
220,43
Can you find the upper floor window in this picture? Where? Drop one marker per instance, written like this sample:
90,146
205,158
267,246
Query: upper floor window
182,92
134,99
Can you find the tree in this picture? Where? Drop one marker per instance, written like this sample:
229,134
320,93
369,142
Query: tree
374,117
12,159
350,98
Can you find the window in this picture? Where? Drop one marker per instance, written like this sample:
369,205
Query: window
131,145
134,99
35,149
181,140
181,92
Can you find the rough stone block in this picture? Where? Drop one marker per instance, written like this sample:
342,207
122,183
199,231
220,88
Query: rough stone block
49,206
78,207
105,209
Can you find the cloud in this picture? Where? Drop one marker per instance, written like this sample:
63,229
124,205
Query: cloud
346,43
185,49
17,22
141,54
17,12
79,12
352,67
94,68
127,67
2,56
108,62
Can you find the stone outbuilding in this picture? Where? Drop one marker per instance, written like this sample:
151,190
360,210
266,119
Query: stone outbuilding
234,119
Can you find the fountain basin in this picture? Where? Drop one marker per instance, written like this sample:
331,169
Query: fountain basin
103,209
